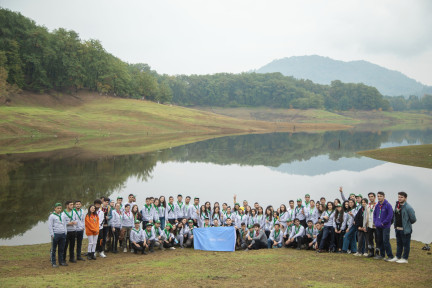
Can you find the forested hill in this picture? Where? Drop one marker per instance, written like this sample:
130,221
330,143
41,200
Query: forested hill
323,70
35,59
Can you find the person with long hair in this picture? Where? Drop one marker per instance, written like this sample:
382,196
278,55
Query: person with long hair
126,227
328,218
160,207
168,237
360,223
208,208
92,231
116,222
217,215
137,214
260,218
339,226
268,221
252,217
349,240
283,216
203,214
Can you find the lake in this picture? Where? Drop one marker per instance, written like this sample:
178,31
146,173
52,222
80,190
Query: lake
267,168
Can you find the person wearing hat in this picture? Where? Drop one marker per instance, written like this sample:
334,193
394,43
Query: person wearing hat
188,233
310,237
168,237
307,201
301,213
259,240
276,237
71,221
296,236
137,238
57,230
248,237
241,217
79,228
351,196
157,234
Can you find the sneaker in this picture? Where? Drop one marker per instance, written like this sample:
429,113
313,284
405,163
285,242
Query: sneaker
357,254
378,257
96,254
102,254
55,266
64,264
402,261
172,248
132,250
391,259
365,254
124,250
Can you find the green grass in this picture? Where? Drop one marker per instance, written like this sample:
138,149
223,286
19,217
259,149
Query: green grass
416,155
28,266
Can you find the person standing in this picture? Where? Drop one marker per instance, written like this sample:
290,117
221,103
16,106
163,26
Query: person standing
404,217
126,227
370,226
79,228
71,221
92,231
57,231
383,216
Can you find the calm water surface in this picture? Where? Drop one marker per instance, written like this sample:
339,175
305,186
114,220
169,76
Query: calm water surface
270,169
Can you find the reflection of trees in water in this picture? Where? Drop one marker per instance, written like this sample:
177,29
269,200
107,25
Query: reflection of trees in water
29,187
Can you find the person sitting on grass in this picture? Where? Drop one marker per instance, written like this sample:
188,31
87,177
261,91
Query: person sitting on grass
287,232
92,231
259,241
241,236
168,237
57,231
276,237
296,236
157,232
137,239
189,234
249,236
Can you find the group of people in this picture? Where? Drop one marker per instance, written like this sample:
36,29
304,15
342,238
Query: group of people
355,225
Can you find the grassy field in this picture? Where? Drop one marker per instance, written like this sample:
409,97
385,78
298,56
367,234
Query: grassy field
417,155
107,125
29,266
359,119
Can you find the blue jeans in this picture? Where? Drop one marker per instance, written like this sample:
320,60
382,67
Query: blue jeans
403,243
350,240
270,244
162,220
383,235
328,231
59,241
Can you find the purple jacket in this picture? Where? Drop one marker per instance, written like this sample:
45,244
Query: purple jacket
383,215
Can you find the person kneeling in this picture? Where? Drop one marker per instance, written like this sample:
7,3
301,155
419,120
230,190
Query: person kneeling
275,239
259,241
137,238
296,236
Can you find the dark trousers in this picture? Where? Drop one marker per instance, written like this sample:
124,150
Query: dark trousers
59,241
70,242
172,221
139,246
306,240
339,239
168,244
361,248
303,223
116,235
370,236
110,238
297,242
144,224
189,242
151,244
383,237
267,232
79,238
258,245
403,244
101,242
328,232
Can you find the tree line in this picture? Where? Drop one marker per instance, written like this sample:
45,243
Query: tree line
413,102
32,58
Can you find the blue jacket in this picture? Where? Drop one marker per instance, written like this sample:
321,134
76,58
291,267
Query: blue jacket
408,218
383,215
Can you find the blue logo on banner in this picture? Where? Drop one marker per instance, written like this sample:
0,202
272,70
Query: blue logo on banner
215,238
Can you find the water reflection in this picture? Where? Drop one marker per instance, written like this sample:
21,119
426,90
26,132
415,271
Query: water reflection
315,163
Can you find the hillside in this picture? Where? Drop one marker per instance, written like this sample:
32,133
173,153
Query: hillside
111,125
323,70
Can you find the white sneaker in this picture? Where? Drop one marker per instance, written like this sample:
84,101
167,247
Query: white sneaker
402,261
357,254
172,248
394,259
365,254
125,250
102,254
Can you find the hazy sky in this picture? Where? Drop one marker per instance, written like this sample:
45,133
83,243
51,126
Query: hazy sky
200,37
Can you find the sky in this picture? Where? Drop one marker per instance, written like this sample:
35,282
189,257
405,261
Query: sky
206,37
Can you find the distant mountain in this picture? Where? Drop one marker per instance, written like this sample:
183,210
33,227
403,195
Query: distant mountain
323,70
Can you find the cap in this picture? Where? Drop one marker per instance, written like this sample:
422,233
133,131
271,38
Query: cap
250,226
119,197
190,221
307,195
157,222
149,224
57,204
137,221
299,200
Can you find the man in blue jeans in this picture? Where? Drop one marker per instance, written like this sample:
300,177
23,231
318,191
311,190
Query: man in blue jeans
404,217
383,216
57,231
